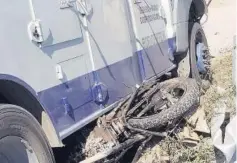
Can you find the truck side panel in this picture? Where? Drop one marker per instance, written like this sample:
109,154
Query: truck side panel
69,100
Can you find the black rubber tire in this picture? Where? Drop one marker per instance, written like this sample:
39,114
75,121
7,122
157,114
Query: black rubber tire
186,103
194,28
16,121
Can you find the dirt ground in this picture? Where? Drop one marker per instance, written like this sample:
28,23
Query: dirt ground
220,31
220,26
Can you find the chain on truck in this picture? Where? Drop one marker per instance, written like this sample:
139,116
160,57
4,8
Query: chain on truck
132,67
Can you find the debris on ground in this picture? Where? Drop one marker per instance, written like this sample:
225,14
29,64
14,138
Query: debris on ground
188,137
192,143
198,121
225,141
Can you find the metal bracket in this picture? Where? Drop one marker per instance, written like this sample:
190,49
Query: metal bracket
35,32
84,8
137,1
66,3
81,6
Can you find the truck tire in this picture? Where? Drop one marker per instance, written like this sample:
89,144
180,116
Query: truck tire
196,29
187,63
21,137
187,102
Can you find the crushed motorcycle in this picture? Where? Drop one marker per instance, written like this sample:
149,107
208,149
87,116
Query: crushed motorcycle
152,110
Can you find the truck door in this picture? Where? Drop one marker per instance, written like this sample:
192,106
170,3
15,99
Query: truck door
150,27
65,47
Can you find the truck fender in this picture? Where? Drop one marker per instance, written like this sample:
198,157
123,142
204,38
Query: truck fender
181,15
17,92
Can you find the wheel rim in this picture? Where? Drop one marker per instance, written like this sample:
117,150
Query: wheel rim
202,57
14,149
174,95
163,100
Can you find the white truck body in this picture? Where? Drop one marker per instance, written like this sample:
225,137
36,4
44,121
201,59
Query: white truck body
79,57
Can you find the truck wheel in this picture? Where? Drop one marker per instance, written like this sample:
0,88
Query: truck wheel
186,100
21,137
196,63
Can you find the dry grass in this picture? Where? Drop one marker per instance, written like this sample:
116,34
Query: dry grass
222,90
178,152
